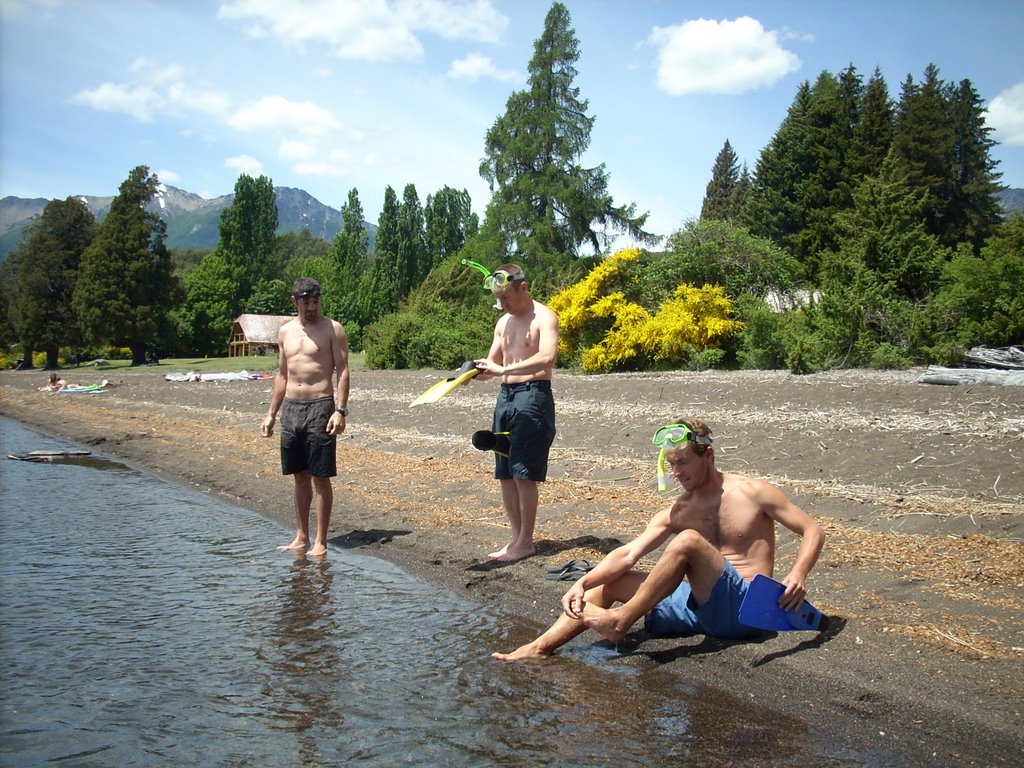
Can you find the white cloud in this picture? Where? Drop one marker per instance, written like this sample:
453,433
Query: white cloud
277,113
245,164
370,30
707,56
167,177
473,66
156,89
139,101
1006,115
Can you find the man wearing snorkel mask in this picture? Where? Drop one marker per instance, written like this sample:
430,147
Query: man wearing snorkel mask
720,533
313,348
523,354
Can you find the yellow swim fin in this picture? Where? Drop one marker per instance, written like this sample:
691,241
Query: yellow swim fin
443,387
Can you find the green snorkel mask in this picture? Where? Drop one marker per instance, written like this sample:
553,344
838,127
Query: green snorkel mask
674,434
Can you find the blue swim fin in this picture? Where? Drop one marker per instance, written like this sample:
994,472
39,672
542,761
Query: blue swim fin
760,608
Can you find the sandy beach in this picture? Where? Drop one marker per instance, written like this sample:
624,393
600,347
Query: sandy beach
920,489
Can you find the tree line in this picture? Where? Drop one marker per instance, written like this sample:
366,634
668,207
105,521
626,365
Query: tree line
867,234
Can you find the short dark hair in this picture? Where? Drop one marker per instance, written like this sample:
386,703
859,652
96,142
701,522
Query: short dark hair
305,285
698,427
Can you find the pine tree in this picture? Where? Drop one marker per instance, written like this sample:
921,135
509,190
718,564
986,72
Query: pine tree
47,264
450,222
872,135
248,243
719,195
351,246
413,262
973,211
126,286
923,145
545,204
381,292
773,207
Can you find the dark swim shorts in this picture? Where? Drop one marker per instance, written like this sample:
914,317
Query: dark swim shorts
678,614
305,444
527,412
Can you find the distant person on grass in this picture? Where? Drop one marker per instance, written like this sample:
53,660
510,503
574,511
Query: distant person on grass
313,348
720,533
523,354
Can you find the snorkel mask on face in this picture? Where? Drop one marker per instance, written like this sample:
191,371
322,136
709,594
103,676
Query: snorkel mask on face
674,434
496,280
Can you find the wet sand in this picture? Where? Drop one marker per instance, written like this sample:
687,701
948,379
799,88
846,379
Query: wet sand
920,489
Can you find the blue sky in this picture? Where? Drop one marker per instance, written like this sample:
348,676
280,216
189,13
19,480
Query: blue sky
327,95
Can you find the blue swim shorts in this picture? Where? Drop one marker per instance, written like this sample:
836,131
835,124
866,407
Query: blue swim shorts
678,614
527,412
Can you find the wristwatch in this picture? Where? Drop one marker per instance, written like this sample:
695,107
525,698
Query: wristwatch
342,411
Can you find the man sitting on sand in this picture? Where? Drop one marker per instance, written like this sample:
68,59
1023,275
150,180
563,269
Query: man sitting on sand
721,533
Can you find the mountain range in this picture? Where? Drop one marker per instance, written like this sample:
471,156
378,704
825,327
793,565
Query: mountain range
191,220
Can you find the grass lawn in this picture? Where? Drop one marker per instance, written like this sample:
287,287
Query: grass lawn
252,363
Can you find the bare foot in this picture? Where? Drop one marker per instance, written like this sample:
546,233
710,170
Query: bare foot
510,554
318,550
528,651
604,622
499,553
298,545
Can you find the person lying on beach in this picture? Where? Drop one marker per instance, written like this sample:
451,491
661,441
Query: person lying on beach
720,533
55,384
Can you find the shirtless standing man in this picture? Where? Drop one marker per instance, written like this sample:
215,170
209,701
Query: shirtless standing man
312,349
523,354
722,531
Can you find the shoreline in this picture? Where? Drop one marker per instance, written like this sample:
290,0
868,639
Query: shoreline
922,565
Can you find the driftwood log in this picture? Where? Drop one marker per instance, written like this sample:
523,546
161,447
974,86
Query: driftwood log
1011,358
936,374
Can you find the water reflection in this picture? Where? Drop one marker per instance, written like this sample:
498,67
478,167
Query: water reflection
303,651
206,646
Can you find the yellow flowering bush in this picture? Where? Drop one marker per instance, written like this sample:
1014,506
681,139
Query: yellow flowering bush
608,331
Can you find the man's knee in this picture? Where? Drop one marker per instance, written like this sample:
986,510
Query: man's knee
686,542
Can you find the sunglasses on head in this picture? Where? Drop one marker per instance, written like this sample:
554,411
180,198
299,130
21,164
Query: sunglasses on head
501,278
306,295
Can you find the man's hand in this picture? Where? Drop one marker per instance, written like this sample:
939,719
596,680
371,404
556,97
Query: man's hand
267,427
488,369
573,602
335,424
796,591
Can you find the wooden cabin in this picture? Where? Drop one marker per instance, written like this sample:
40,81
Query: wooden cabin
255,334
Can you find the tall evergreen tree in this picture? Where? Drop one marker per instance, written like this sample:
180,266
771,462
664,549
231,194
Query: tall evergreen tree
719,195
47,264
126,285
351,246
545,204
381,292
773,207
973,213
923,144
413,260
349,253
248,243
872,134
450,222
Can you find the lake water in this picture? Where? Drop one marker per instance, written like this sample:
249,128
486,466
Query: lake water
145,624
